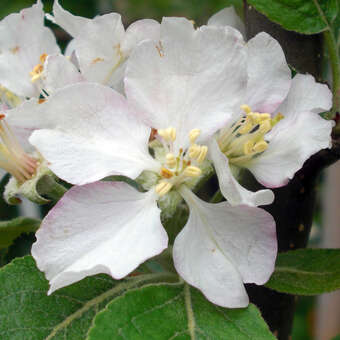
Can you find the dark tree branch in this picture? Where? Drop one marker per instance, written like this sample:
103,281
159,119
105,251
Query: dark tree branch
294,204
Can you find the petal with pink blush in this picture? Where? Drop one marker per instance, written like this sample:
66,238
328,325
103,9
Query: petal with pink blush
102,227
222,246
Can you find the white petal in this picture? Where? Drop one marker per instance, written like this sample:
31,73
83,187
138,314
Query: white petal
194,79
98,48
91,134
102,227
138,31
221,246
234,193
291,143
58,72
72,24
23,39
305,95
228,17
269,74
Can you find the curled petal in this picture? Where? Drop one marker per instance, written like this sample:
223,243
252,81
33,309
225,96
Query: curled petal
234,193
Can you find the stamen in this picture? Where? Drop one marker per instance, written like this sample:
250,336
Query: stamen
166,173
265,126
171,160
246,127
193,134
194,151
203,153
192,171
245,108
168,134
260,146
43,57
163,188
248,147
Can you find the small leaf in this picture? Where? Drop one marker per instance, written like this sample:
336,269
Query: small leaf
307,272
163,312
26,312
10,230
303,16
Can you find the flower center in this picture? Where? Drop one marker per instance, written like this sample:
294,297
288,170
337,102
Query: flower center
12,157
244,139
176,169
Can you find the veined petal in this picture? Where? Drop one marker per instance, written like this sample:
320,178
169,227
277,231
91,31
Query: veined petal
290,145
228,17
23,39
190,79
138,31
305,95
222,246
234,193
102,227
89,133
98,48
72,24
58,72
269,75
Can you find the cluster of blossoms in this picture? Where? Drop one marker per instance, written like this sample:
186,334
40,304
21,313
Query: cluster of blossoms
197,97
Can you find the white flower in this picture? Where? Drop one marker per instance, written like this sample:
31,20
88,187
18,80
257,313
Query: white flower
102,45
180,88
278,127
24,41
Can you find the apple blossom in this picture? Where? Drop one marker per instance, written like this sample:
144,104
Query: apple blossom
101,45
278,127
24,43
185,93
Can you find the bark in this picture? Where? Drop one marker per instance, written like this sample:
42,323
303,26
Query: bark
294,204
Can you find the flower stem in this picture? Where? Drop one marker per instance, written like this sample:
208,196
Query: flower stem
335,65
49,187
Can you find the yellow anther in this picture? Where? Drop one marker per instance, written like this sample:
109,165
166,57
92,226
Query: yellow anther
170,160
36,72
260,146
248,147
203,153
265,126
246,127
193,134
192,171
254,117
245,108
264,116
166,173
194,151
43,57
277,118
163,188
168,134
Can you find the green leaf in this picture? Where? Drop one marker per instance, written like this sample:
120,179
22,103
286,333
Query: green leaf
337,337
164,312
26,312
303,16
10,230
307,272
